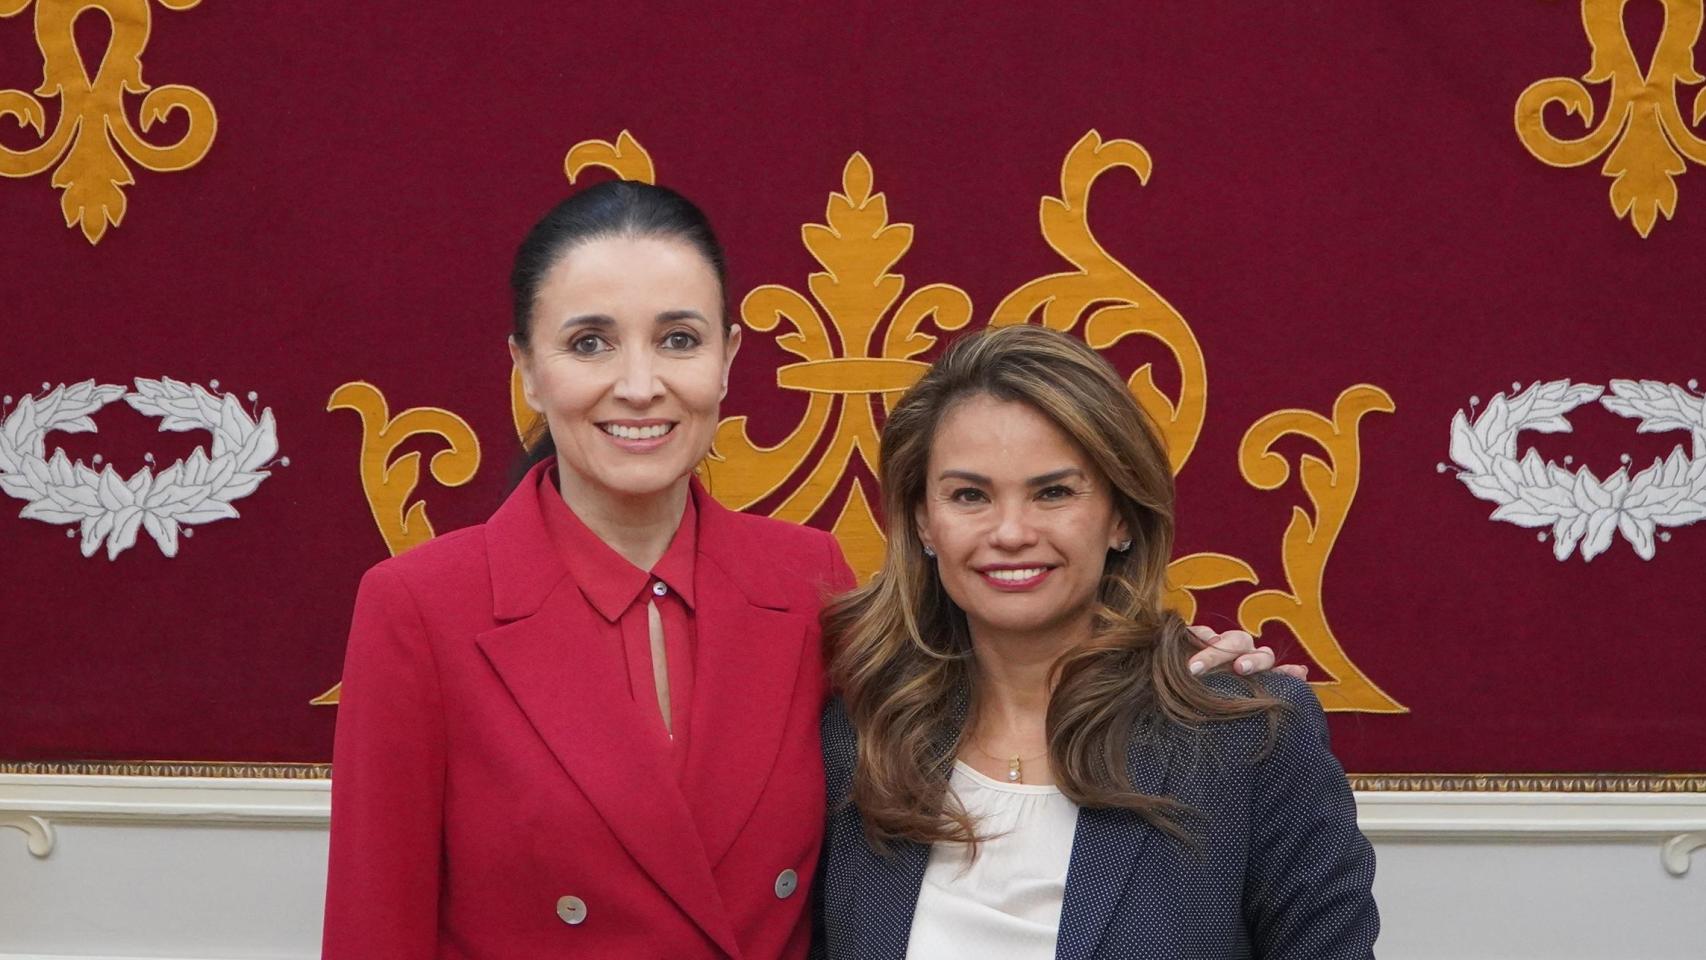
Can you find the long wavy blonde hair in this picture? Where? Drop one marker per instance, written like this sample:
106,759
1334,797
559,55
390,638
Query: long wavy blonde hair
900,649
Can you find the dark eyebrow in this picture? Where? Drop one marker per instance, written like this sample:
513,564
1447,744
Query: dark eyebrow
590,320
670,316
1038,481
604,321
1054,477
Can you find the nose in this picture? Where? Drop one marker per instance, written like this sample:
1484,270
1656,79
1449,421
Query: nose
637,383
1013,529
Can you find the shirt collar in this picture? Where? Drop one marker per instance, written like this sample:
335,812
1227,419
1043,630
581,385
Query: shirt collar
608,580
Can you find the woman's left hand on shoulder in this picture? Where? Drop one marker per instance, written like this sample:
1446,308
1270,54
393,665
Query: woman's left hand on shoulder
1236,650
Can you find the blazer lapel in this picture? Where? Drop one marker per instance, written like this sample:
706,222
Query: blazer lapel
746,673
1107,848
887,898
575,695
888,885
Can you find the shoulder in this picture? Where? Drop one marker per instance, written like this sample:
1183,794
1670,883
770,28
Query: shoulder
1295,696
802,559
1241,746
453,563
790,539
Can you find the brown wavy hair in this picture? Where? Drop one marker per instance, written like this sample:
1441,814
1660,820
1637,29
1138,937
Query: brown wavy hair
900,650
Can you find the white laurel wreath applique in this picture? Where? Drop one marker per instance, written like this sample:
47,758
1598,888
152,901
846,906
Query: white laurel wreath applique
108,507
1579,507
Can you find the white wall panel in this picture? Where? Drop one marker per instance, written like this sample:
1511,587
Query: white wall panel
200,869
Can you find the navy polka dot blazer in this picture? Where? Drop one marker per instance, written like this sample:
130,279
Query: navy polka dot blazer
1279,869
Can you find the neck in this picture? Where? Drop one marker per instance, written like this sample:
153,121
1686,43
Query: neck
639,527
1013,678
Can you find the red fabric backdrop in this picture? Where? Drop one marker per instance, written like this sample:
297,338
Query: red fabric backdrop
1338,197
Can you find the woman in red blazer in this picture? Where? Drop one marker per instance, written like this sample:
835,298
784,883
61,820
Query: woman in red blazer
589,726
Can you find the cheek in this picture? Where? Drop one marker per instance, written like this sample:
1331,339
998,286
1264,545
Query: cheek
954,535
699,391
1087,539
564,390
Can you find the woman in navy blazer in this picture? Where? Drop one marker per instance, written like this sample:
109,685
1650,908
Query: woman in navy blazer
1018,766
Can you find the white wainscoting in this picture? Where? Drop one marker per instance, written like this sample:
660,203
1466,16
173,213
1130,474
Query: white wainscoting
203,869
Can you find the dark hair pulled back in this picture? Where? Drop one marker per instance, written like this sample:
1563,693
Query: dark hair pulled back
616,208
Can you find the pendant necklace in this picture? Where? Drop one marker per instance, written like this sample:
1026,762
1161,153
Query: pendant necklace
1015,763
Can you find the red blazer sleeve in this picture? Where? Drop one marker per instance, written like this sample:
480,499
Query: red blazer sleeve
388,761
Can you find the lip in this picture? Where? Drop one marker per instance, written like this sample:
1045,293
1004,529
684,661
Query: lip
1015,586
637,446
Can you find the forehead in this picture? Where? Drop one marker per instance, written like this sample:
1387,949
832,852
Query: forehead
1001,438
607,273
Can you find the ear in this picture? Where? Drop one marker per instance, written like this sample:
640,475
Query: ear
921,523
731,346
1118,532
524,364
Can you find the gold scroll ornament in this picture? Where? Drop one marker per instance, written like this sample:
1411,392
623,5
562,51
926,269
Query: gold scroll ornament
857,338
1642,125
1331,485
84,149
388,484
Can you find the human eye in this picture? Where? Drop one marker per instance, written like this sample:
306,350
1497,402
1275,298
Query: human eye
967,495
1056,492
681,340
587,344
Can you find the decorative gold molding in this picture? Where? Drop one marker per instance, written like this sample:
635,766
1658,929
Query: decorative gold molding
167,768
1642,127
1371,782
1529,782
84,149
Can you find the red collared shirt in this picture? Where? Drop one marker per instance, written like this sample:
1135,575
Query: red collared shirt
620,592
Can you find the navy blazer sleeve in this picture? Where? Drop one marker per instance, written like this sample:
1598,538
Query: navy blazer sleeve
1308,887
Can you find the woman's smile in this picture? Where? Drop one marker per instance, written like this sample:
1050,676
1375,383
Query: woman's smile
1015,578
638,436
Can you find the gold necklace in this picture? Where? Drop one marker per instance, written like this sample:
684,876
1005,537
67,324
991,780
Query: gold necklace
1015,763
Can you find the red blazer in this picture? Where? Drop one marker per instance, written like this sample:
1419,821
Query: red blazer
488,766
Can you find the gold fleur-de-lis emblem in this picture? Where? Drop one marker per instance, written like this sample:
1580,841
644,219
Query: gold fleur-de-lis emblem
1642,126
845,377
94,133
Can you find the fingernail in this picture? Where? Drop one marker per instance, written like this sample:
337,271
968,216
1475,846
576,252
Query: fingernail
1243,667
1196,667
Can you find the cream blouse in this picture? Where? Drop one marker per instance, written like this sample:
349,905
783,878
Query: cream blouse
1005,904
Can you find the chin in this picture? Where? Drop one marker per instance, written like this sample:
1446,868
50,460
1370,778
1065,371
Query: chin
1027,614
639,480
1010,620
